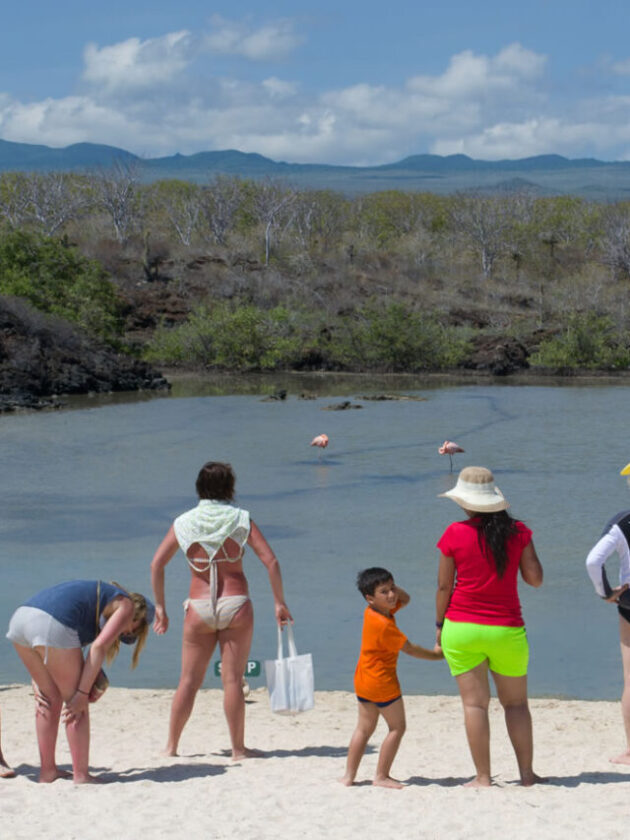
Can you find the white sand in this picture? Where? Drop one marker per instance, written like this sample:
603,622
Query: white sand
293,792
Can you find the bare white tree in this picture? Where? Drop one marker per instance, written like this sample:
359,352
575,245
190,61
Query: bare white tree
615,240
220,201
54,199
116,194
271,202
13,198
486,223
182,204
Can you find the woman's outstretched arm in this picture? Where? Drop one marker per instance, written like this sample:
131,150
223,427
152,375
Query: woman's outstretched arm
262,548
162,556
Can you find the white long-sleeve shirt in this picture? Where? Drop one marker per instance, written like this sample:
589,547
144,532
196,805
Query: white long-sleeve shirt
616,538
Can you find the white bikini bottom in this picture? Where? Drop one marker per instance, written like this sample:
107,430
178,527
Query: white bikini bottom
218,616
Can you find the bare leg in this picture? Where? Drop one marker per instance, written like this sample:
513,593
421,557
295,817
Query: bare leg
474,690
65,667
512,692
197,647
46,724
6,772
235,642
366,724
624,637
394,715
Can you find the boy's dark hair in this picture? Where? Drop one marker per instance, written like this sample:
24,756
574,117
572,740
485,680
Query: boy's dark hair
216,481
369,579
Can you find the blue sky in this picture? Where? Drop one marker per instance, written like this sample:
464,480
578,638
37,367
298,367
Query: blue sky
352,81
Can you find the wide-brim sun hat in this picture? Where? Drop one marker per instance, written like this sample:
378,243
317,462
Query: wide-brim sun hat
476,491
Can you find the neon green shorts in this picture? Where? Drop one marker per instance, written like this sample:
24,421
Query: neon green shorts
467,645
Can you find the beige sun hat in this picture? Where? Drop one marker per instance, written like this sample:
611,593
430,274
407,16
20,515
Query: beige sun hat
476,491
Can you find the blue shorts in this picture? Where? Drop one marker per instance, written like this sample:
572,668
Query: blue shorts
381,704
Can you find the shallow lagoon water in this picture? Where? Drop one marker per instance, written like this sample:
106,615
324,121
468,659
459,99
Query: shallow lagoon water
89,492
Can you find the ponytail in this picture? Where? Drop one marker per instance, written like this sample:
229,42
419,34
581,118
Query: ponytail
494,531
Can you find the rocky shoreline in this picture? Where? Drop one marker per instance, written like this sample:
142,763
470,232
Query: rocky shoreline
43,358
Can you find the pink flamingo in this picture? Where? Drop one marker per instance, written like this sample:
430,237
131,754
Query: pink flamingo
320,441
449,448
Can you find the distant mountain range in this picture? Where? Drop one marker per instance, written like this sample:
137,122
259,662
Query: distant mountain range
543,174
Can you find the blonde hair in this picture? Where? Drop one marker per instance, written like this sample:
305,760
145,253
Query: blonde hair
139,614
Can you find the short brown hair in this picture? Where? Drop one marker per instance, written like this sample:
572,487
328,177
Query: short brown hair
216,481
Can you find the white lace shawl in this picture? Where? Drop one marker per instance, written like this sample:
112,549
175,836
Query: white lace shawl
210,524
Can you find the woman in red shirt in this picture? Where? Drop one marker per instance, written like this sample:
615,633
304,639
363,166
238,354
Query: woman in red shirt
478,616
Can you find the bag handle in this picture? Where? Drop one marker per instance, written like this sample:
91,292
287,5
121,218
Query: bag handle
290,642
98,606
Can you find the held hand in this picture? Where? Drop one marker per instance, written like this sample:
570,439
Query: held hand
283,616
160,624
75,707
437,649
614,595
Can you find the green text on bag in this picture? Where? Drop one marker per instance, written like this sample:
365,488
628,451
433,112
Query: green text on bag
252,669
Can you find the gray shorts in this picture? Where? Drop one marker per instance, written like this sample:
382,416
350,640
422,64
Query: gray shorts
32,627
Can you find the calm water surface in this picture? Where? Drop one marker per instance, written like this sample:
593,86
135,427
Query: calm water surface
89,492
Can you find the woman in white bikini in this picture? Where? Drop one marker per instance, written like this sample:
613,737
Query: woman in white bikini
213,536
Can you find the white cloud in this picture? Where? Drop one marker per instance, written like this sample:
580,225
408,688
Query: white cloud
271,41
136,64
278,88
147,97
469,74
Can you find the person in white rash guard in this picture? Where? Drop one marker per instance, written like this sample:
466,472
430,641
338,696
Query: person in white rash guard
616,539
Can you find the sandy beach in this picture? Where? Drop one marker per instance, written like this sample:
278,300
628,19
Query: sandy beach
293,791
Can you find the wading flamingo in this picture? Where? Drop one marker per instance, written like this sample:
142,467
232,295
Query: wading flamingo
321,441
449,448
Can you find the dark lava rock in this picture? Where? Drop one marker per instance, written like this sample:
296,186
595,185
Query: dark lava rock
42,357
276,396
342,406
500,355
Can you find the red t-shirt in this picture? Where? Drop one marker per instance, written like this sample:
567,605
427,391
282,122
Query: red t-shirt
375,677
480,595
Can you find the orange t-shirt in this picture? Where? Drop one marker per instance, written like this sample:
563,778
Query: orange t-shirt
375,677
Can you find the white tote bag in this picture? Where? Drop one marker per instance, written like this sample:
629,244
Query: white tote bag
290,679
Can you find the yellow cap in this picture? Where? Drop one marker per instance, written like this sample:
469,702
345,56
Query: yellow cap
625,470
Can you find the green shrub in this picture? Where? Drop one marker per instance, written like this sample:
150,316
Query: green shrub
396,339
248,338
588,341
56,279
230,336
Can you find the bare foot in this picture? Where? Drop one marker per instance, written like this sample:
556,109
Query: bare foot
348,781
479,782
532,779
53,775
6,772
246,753
624,758
388,782
88,779
169,752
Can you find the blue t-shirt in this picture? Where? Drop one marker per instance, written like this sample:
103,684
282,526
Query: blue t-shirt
74,604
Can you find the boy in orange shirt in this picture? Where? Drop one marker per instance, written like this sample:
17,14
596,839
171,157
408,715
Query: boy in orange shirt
375,679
